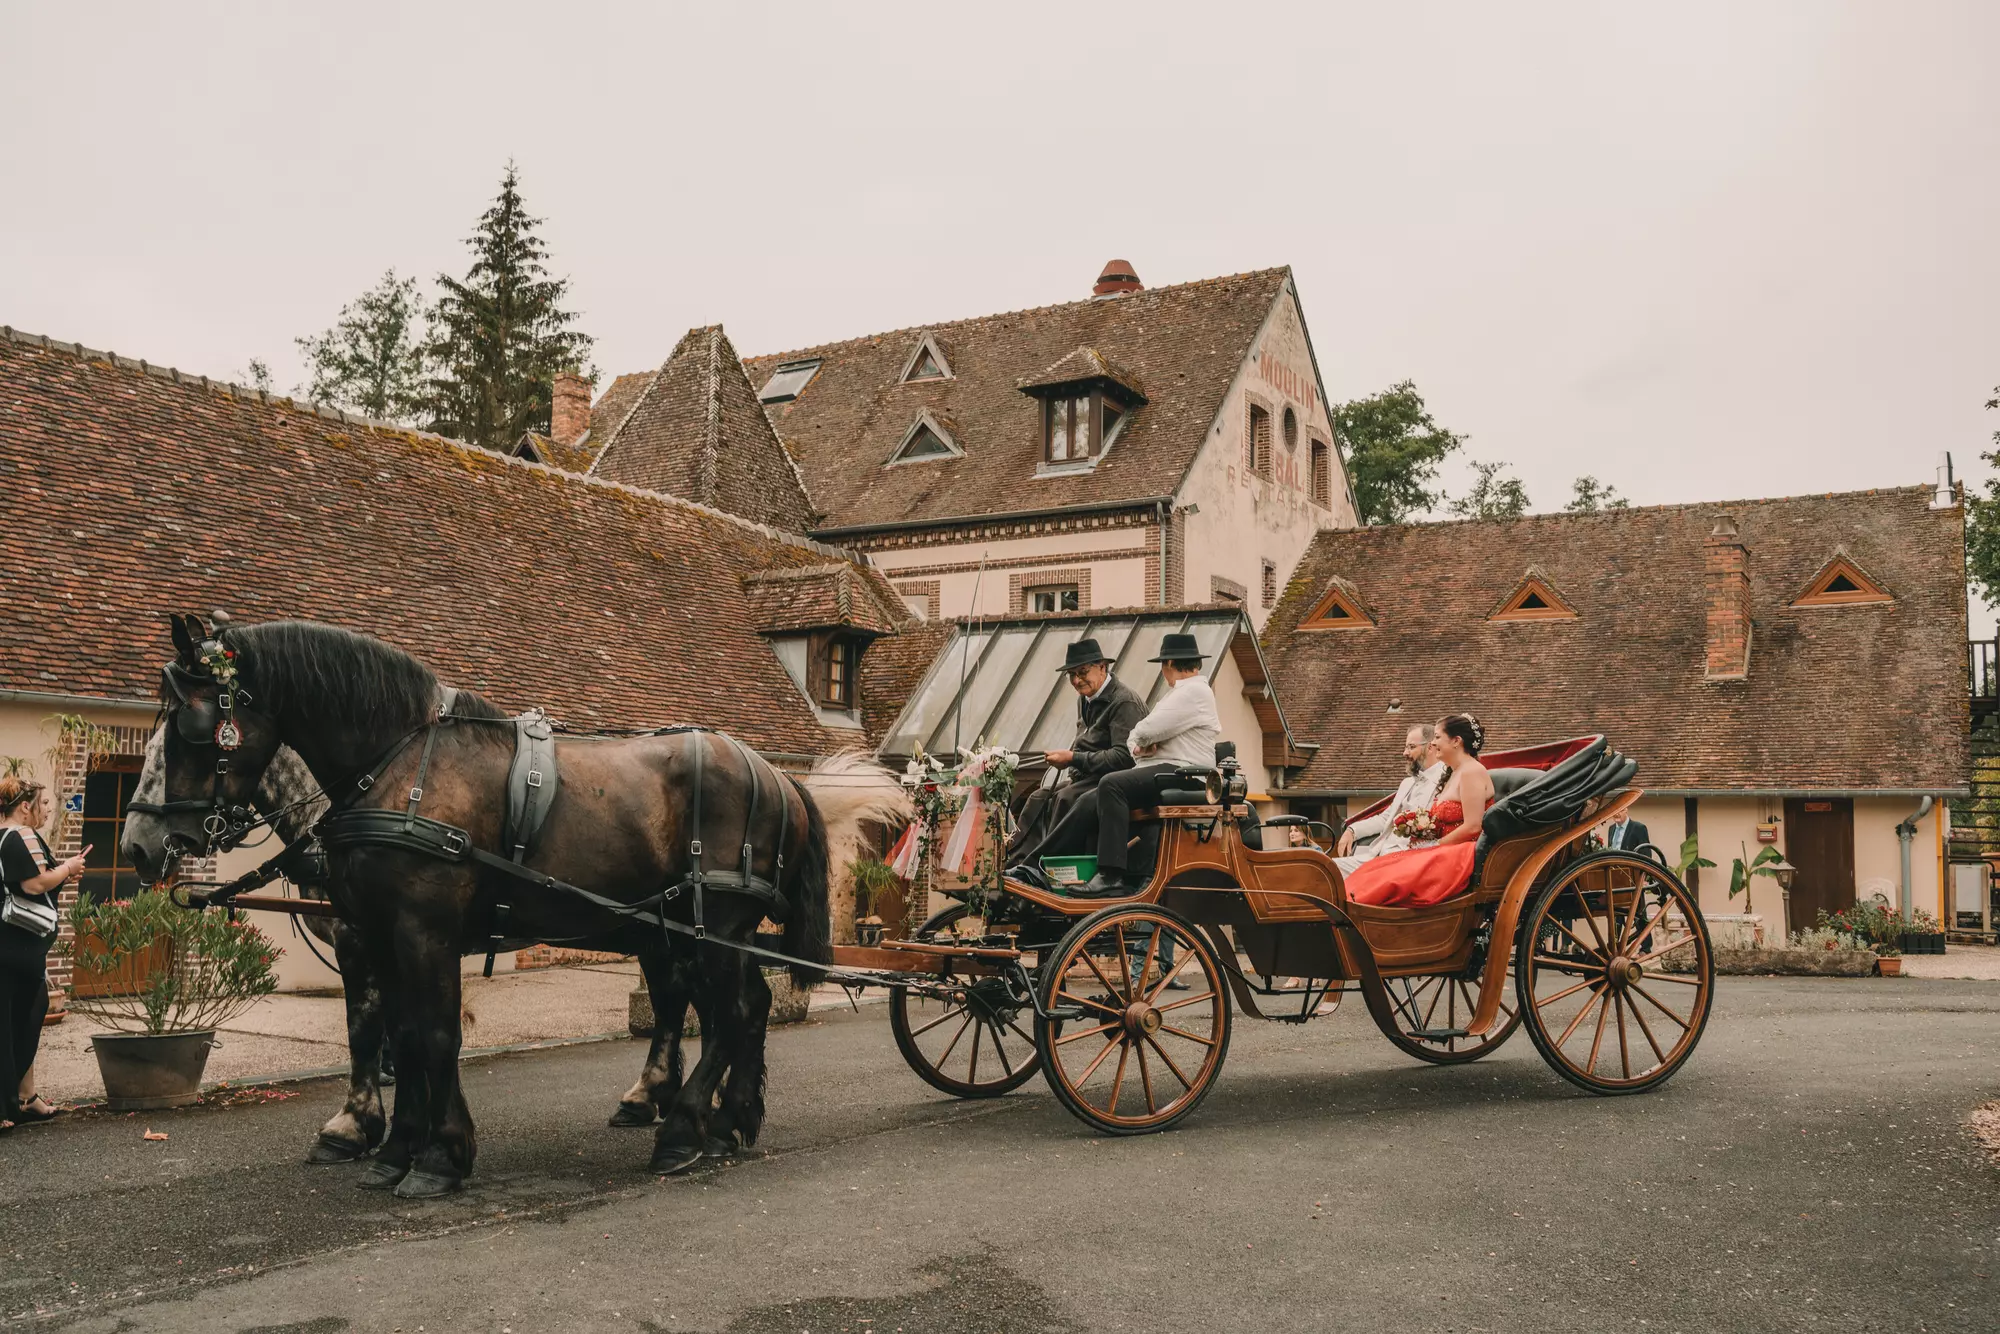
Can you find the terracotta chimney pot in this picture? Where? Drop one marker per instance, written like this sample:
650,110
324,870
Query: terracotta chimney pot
1117,279
1725,565
569,409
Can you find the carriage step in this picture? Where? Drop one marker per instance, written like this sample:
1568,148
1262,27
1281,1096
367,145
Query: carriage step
1437,1034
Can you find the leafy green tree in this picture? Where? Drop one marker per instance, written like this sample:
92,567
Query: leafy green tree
500,336
372,360
1982,525
1588,495
1392,448
1492,496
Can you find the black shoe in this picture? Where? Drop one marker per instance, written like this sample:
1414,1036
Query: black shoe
1105,885
1032,875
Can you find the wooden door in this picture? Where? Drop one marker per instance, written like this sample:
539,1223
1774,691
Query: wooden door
1819,840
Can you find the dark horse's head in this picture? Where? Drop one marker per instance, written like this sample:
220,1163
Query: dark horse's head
232,697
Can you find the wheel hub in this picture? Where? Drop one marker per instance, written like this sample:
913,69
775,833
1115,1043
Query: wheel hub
1623,972
1141,1019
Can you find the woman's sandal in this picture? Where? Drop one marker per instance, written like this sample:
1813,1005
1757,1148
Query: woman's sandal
37,1111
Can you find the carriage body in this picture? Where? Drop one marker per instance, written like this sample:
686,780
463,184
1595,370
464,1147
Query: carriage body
1549,933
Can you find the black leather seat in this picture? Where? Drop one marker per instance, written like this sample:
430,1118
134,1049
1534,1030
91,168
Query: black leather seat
1549,799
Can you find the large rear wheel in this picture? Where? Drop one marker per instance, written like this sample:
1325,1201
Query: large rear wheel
1139,1019
1613,973
973,1045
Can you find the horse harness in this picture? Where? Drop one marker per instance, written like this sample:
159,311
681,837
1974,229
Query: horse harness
532,781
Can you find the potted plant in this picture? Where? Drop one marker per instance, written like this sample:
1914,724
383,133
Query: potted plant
872,881
1878,924
1922,935
205,971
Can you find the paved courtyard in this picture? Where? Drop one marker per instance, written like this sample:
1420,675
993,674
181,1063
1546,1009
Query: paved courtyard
1809,1170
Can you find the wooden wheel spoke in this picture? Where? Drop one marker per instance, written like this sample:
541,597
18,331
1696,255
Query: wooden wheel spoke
1018,1032
1557,963
1117,992
1091,1069
1597,954
1597,1042
1169,974
1118,1080
1161,1052
1183,1033
999,1050
1436,995
1590,917
1146,965
1656,1005
1624,1055
972,1071
1146,1080
953,1044
954,1010
1581,1014
1664,950
1566,991
1084,1000
1674,978
1639,1018
1080,1034
1185,1001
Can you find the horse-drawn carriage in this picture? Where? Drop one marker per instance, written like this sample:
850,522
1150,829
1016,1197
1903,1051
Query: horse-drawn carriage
1129,1003
450,827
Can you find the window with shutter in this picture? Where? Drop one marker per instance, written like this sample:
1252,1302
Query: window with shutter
1322,474
1257,442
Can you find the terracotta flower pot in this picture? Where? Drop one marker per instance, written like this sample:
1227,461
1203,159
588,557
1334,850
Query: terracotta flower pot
144,1071
1890,965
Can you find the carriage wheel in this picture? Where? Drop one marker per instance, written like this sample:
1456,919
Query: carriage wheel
1613,973
1129,1051
1431,1013
971,1046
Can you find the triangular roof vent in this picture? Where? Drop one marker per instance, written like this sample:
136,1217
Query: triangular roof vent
1842,583
1534,599
1339,608
928,438
927,362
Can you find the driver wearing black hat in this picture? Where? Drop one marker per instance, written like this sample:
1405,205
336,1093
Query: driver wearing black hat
1106,709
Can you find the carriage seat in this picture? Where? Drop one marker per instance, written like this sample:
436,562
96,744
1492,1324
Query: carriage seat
1551,798
1506,782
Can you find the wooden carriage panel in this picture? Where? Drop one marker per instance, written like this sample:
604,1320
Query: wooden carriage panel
1432,939
1271,878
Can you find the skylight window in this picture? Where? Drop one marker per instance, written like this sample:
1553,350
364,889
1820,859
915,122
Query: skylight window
788,381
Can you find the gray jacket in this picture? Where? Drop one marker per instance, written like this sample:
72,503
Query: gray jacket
1102,726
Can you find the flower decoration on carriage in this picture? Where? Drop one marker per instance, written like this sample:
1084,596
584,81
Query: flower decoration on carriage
1417,827
971,796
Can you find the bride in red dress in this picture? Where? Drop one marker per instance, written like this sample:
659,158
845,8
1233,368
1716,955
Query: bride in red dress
1434,872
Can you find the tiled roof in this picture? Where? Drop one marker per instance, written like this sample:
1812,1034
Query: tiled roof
697,431
818,597
1851,698
1086,363
133,490
893,668
575,457
1182,345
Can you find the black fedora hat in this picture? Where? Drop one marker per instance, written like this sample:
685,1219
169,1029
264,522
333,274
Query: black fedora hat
1081,654
1178,648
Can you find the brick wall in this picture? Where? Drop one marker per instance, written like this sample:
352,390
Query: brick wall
1725,566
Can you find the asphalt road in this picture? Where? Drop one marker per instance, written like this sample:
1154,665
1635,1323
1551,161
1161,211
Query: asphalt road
1807,1170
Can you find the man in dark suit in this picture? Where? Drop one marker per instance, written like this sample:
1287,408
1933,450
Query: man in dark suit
1626,833
1106,709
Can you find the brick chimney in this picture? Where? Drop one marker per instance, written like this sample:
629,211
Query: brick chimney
569,410
1728,583
1117,279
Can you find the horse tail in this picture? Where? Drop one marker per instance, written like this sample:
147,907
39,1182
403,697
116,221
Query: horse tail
841,795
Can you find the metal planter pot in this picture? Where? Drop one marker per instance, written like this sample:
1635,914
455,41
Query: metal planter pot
144,1071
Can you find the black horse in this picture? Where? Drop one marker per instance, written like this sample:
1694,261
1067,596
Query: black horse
364,717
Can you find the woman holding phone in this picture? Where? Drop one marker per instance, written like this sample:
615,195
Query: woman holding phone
30,878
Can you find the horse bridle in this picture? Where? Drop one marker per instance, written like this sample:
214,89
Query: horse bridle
226,824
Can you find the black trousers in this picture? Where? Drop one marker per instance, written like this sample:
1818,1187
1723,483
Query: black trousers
24,1000
1049,827
1118,795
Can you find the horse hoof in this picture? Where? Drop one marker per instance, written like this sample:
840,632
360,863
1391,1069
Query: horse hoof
332,1149
634,1114
382,1175
672,1160
718,1148
420,1185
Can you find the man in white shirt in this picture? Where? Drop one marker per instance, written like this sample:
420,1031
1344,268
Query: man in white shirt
1180,733
1416,794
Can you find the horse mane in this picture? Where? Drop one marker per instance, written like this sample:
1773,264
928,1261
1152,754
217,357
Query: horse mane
304,663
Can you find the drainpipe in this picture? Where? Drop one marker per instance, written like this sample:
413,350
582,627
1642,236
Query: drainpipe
1160,510
1906,834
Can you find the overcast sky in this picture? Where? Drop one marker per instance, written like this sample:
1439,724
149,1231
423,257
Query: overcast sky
1702,251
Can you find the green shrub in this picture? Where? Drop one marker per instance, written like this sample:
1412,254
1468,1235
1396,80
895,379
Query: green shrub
194,970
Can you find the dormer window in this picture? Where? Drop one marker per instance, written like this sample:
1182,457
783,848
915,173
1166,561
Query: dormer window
788,381
1078,428
839,661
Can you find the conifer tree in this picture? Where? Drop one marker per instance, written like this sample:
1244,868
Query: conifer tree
500,336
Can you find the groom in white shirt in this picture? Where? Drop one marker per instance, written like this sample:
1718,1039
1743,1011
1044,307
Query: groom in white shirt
1416,794
1180,733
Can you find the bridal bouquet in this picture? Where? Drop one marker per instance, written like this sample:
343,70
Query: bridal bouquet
1417,827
